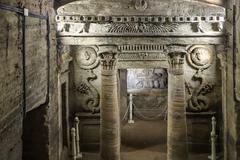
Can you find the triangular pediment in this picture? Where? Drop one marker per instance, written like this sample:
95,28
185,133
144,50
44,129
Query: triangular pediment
141,7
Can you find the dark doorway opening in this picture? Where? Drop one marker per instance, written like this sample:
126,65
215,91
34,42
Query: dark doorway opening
35,134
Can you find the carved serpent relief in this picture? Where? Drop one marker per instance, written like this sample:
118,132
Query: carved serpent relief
86,59
89,93
198,101
200,58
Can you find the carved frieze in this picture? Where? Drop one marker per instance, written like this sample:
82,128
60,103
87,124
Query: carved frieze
142,48
142,52
142,28
142,56
147,79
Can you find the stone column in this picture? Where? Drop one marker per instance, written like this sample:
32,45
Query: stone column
110,116
177,127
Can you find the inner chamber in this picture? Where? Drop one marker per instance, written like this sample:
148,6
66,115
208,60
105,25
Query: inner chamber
144,116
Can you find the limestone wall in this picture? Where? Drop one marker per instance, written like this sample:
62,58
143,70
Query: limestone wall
11,78
232,81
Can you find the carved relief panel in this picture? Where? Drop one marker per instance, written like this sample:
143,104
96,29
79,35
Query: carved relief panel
149,87
140,79
86,73
202,79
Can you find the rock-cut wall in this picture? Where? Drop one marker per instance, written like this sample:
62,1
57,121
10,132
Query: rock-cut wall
37,68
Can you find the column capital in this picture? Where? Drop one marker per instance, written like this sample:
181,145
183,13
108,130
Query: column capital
108,55
176,57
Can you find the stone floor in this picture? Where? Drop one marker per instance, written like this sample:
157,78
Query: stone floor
144,140
150,153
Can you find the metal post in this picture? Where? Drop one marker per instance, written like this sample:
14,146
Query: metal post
213,140
76,121
73,144
130,120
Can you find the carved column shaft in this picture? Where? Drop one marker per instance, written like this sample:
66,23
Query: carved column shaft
110,118
177,128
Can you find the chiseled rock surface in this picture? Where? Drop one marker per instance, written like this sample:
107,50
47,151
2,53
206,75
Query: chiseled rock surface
11,117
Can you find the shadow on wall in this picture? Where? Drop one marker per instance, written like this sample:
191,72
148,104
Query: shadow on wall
35,135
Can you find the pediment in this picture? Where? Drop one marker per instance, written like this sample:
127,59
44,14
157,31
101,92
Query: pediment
141,7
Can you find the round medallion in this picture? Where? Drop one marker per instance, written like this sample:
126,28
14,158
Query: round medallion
200,57
87,58
141,5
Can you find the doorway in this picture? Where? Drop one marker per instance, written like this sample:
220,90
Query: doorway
143,108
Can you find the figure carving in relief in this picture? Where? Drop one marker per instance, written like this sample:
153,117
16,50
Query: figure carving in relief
200,57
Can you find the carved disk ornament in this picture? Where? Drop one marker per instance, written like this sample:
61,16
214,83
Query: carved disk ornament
87,58
141,5
200,57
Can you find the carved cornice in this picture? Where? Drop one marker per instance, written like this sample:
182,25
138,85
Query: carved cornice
79,25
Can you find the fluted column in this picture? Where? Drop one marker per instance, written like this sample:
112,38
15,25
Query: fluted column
177,127
110,116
